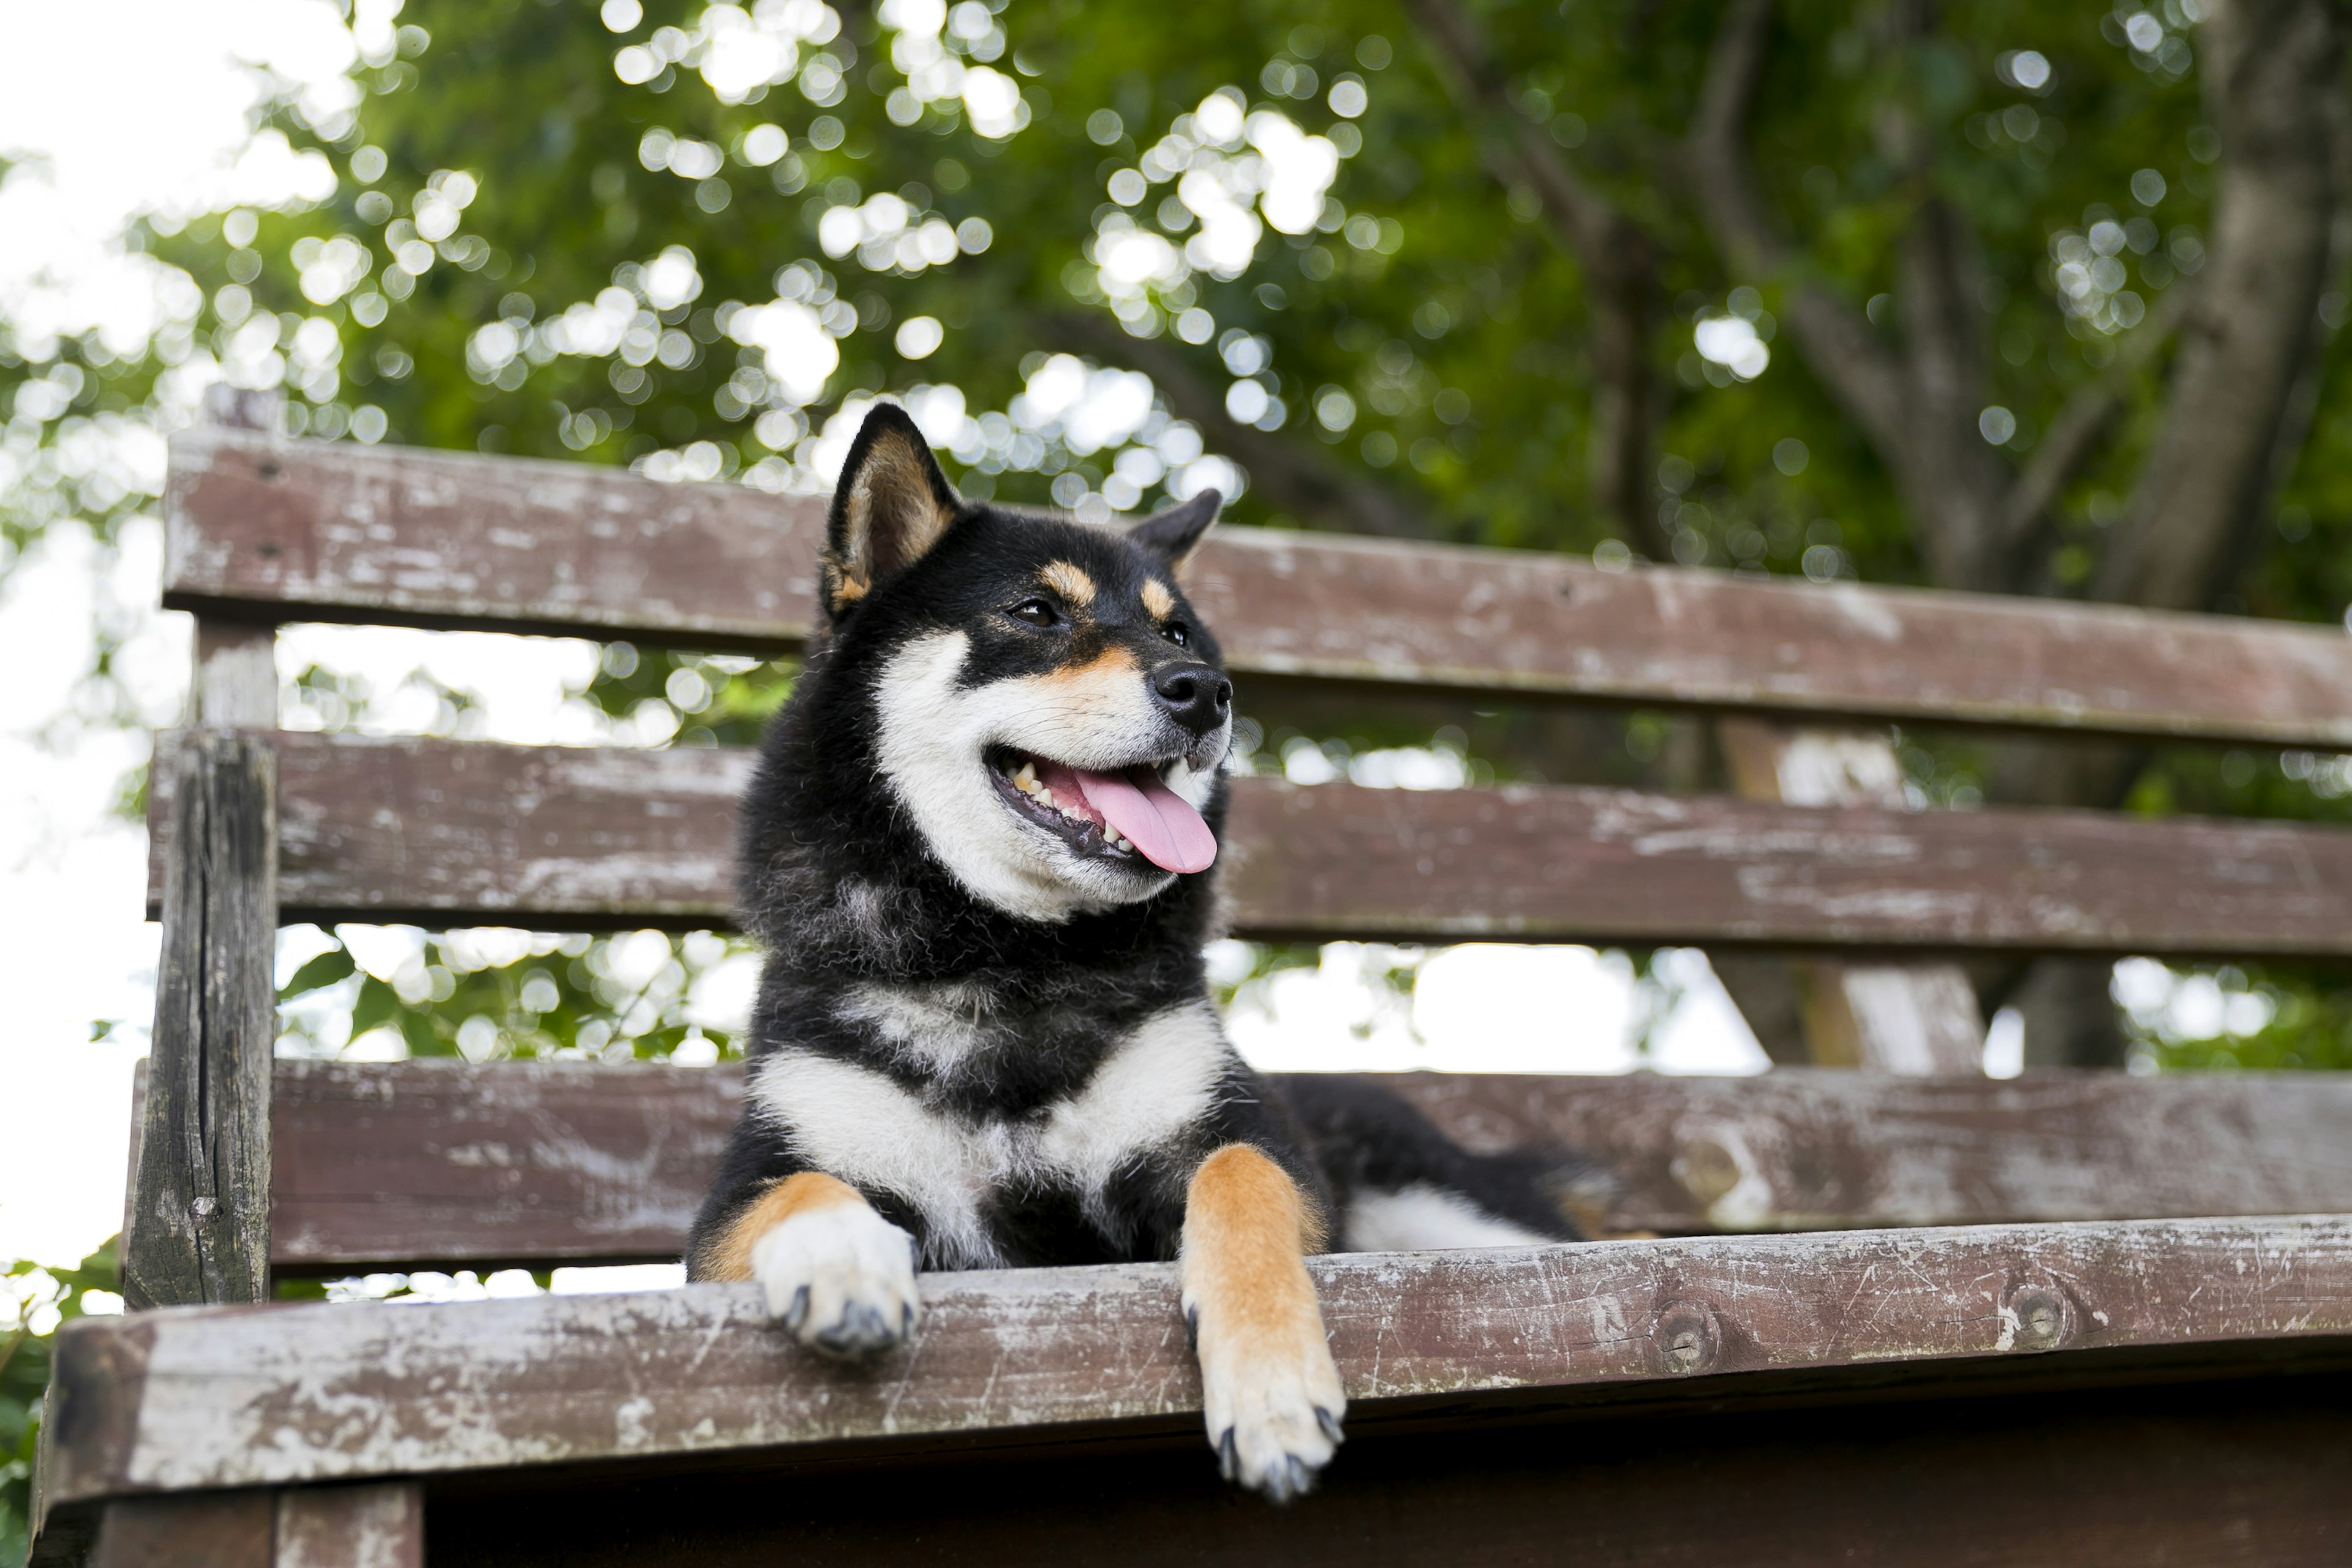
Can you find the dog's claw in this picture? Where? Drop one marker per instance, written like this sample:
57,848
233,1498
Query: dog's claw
1330,1425
1229,1455
861,1330
841,1279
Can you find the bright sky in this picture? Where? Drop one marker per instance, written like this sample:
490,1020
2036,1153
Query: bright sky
73,945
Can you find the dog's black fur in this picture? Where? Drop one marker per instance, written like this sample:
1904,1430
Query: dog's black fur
844,891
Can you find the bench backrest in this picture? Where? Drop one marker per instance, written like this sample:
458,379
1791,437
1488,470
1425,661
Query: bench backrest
434,1162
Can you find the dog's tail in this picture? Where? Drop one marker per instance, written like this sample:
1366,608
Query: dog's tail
1402,1185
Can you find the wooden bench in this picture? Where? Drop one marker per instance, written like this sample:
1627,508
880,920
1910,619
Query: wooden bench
2115,1326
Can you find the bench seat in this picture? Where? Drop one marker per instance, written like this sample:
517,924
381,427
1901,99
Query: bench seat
193,1399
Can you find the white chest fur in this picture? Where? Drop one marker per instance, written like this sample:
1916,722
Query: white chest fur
864,1128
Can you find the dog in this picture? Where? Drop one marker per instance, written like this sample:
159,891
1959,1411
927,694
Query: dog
978,849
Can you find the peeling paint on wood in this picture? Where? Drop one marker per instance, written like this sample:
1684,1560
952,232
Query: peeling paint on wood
251,1396
439,1162
297,530
440,831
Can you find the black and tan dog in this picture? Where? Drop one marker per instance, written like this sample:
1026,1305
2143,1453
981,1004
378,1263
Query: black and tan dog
978,851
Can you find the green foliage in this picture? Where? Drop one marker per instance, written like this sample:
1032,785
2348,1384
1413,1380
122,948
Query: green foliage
516,168
33,1301
488,994
2297,1018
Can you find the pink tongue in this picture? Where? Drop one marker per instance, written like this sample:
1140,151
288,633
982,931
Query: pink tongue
1163,828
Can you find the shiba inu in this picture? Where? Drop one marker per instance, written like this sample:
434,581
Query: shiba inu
979,850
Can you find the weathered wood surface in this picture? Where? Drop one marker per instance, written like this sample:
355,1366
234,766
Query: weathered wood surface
1918,1018
257,1396
197,1224
297,530
441,1162
1533,864
437,1162
393,830
379,1525
2248,1473
235,684
452,832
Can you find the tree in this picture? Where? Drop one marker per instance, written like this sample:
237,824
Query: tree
1983,296
1990,296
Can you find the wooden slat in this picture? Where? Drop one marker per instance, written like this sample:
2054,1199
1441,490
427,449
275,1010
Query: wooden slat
305,531
443,1164
1919,1019
443,832
245,1396
439,1162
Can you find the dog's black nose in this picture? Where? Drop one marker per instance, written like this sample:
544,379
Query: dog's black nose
1194,696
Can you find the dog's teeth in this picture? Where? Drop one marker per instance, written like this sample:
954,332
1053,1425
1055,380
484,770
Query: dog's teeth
1044,795
1027,777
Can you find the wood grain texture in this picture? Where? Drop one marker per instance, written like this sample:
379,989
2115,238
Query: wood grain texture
235,684
293,531
283,1395
1528,864
438,1162
282,530
197,1226
451,833
2243,1474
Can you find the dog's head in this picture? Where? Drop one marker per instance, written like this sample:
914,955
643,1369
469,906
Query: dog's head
1043,706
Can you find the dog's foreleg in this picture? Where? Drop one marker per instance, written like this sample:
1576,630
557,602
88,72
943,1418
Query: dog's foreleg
1267,1383
839,1276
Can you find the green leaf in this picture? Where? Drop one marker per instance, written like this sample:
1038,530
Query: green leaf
329,967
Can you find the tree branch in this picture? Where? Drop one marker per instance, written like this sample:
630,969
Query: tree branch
1619,259
1515,149
2081,424
2273,73
1292,477
1843,350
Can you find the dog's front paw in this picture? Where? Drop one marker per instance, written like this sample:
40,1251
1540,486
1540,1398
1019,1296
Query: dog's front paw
841,1278
1272,1397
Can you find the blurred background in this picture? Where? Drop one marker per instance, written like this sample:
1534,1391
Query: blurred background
1883,291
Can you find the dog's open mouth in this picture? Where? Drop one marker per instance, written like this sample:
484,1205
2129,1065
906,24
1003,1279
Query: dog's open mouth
1125,816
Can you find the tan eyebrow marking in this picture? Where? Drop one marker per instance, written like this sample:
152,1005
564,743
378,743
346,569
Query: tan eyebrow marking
1069,581
1157,599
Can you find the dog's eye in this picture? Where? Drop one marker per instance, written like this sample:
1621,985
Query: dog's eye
1037,612
1177,635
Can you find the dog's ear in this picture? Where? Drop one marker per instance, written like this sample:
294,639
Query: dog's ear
1171,534
891,507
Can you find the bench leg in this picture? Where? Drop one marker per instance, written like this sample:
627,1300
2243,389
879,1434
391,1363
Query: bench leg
220,1529
370,1525
197,1229
376,1526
